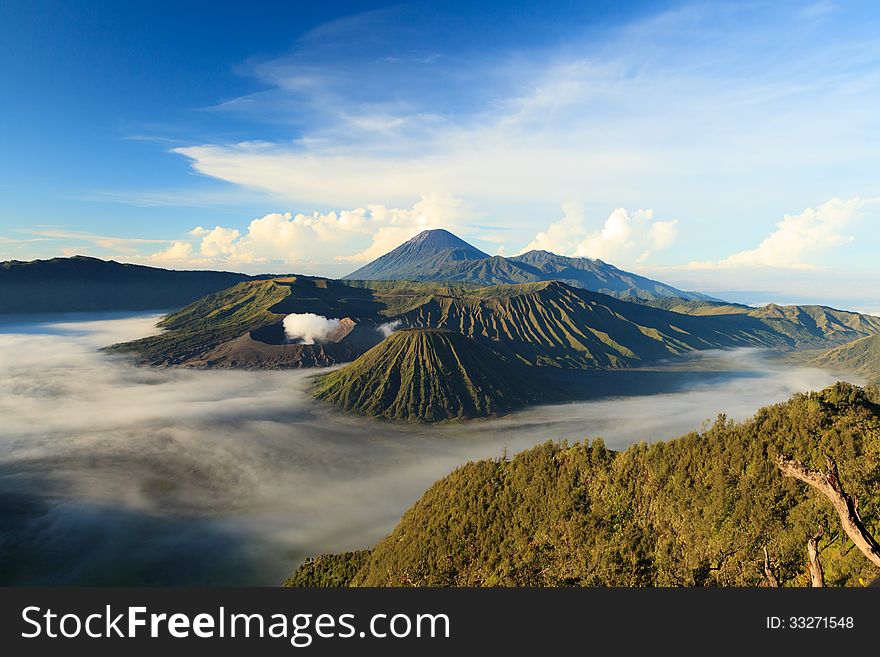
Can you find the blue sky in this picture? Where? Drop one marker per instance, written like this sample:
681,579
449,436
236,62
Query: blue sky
727,147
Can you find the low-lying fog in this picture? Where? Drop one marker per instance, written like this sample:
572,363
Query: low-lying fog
114,474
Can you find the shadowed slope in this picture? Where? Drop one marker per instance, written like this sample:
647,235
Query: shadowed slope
553,324
81,283
599,276
545,323
806,325
427,375
241,326
862,356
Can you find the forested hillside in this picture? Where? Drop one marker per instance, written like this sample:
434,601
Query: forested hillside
694,511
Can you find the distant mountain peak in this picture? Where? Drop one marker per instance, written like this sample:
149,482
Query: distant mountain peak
440,239
412,254
438,255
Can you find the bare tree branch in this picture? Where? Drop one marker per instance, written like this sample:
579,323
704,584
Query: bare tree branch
817,578
847,509
768,571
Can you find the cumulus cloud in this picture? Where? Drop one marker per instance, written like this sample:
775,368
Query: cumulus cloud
561,236
625,236
308,328
397,226
356,235
177,252
798,239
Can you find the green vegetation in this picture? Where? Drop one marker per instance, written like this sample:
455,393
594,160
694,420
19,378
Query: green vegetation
543,323
210,321
428,375
693,511
546,323
861,356
495,332
804,325
329,569
552,324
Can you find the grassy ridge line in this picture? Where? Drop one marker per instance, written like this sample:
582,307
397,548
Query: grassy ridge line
803,323
550,323
209,321
861,356
543,323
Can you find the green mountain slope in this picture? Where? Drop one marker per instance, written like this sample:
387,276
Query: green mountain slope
862,356
437,255
89,284
241,326
697,510
804,324
553,324
544,324
819,322
427,375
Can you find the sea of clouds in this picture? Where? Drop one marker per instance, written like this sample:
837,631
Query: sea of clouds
117,474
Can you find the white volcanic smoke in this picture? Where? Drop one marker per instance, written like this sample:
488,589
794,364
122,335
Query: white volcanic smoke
388,328
308,327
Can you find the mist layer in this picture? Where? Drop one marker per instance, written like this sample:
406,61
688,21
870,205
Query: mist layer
116,474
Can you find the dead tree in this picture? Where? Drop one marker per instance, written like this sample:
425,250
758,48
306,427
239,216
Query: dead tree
817,578
828,483
772,580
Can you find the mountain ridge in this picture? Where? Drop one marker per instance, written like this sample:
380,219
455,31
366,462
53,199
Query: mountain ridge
547,323
861,356
455,260
409,256
84,283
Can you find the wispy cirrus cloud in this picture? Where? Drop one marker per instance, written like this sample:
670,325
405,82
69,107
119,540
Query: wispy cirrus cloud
646,106
114,244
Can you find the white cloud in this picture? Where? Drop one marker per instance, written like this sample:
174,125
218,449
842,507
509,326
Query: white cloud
356,235
308,327
798,239
624,237
217,242
397,226
387,328
177,252
646,111
561,236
